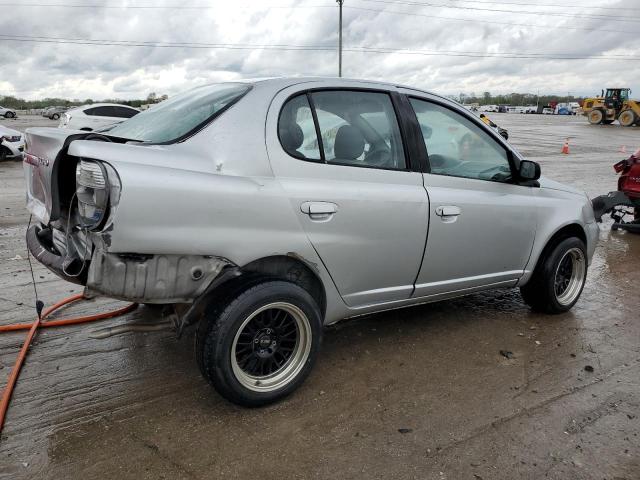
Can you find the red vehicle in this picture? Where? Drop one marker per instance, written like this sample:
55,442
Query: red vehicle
626,201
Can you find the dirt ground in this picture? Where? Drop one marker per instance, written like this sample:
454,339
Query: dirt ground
419,393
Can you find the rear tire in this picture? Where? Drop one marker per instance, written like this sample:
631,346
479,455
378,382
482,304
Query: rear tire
259,343
595,117
55,116
627,118
559,277
9,115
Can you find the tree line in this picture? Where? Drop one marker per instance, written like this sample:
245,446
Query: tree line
9,101
486,98
516,99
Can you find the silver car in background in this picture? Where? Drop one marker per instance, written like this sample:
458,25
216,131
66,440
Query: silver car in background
263,210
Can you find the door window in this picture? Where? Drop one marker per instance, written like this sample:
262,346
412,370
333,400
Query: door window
458,147
359,129
356,129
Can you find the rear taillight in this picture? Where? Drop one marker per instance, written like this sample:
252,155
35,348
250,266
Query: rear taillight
92,190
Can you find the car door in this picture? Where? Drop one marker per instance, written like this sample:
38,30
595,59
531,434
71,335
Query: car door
340,157
482,224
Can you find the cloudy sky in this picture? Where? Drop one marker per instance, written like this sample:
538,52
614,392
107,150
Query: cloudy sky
123,49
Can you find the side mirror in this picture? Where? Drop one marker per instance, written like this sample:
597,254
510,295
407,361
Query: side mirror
529,170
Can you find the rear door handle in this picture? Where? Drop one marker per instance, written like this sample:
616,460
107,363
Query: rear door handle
319,210
448,211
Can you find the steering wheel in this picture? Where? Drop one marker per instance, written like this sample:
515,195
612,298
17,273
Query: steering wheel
496,176
380,156
437,161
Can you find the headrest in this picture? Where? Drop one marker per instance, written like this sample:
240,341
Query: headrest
291,136
349,143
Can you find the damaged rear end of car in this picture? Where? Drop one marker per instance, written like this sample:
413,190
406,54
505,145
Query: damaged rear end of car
74,200
74,188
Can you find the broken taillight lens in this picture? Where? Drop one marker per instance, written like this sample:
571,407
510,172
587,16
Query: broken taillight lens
92,190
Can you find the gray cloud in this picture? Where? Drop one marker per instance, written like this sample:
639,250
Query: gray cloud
82,71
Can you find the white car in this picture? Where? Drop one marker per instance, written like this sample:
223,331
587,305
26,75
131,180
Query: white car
7,112
96,116
11,143
547,111
489,108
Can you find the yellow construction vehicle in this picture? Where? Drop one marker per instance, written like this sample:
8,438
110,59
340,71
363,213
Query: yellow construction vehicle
614,104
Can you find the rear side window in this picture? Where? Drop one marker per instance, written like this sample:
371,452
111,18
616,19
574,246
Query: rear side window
182,115
297,131
108,111
356,128
124,112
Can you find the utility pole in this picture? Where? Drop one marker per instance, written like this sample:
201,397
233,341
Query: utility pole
340,2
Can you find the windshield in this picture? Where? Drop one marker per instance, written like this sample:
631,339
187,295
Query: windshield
174,118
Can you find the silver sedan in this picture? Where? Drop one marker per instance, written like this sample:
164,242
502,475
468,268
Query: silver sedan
263,210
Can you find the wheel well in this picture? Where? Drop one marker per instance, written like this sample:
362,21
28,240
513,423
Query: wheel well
294,270
568,231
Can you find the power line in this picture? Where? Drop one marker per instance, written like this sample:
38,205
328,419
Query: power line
207,7
395,12
475,21
145,7
321,48
597,16
582,7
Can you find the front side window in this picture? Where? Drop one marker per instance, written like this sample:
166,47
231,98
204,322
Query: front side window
356,129
458,147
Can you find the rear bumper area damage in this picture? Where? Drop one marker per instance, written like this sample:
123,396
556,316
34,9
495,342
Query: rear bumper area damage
132,277
40,244
152,278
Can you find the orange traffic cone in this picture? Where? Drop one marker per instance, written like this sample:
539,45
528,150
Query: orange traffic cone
565,147
623,149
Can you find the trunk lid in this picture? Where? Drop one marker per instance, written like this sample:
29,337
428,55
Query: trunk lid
45,148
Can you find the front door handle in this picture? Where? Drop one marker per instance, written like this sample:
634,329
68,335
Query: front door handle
448,211
319,210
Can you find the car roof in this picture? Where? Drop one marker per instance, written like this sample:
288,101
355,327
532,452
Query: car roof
6,130
284,82
338,80
91,105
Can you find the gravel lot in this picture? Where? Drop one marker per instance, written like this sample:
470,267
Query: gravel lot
417,393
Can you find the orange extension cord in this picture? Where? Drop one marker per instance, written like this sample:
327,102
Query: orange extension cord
32,327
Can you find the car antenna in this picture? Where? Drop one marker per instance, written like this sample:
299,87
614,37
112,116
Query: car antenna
39,303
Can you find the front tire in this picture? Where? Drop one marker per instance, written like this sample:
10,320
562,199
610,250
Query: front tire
9,115
55,116
627,118
559,277
259,344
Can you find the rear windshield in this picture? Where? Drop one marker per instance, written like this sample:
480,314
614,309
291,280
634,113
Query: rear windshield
180,115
